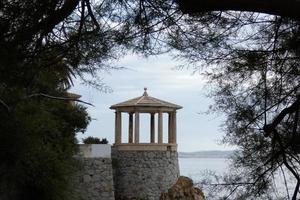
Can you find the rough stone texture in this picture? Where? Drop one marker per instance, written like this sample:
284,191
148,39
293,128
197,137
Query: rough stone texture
184,190
95,180
144,175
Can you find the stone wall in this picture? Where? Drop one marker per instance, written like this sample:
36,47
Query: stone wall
144,174
95,179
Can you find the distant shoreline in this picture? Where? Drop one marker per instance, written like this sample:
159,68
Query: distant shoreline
206,154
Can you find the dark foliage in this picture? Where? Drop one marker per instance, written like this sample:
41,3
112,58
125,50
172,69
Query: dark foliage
37,132
94,140
252,63
37,146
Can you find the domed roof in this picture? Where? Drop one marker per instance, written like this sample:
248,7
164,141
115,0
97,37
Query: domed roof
146,101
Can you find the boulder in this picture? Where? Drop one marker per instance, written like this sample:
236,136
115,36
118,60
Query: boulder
184,190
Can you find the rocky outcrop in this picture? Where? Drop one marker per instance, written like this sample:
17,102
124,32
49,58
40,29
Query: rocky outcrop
184,190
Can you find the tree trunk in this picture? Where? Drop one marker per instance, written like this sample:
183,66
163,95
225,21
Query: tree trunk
286,8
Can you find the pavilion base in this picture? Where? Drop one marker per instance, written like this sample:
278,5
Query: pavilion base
144,174
145,147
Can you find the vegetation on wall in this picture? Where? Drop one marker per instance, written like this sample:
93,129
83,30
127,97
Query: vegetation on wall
94,140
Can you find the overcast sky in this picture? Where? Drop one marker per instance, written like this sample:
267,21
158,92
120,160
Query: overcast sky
195,130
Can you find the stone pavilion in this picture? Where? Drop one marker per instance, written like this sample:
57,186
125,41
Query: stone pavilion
145,170
156,108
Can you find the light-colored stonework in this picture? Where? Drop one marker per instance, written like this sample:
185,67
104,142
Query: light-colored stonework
95,150
154,107
145,147
144,174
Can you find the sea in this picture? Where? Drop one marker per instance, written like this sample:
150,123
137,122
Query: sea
198,168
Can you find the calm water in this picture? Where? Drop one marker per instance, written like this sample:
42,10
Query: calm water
195,167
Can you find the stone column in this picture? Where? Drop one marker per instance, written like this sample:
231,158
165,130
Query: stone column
152,128
118,128
170,128
174,128
137,127
116,131
130,128
160,127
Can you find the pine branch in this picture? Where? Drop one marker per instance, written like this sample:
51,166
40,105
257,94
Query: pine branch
59,98
288,8
4,104
269,128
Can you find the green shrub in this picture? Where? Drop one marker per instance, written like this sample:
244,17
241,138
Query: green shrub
94,140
